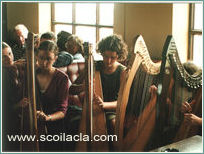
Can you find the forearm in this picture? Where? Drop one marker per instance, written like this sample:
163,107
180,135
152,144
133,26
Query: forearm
110,105
55,116
199,121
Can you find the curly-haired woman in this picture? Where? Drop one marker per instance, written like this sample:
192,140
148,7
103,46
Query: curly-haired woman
113,49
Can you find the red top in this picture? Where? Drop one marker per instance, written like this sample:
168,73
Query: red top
55,98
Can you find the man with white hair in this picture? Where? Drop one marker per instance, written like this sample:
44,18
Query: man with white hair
21,32
18,42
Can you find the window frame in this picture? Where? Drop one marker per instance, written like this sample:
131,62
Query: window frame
192,31
74,24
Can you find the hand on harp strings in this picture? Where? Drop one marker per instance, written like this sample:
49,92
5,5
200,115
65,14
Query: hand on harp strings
42,116
192,119
22,103
186,107
153,90
189,117
98,100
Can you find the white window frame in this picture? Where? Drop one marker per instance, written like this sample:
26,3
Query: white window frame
192,31
74,24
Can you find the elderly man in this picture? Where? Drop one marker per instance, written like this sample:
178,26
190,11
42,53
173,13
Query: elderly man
17,41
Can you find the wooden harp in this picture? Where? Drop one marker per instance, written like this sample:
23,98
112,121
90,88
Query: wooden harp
144,122
178,86
136,112
29,119
93,118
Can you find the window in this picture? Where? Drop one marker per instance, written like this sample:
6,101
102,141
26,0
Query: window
196,38
90,21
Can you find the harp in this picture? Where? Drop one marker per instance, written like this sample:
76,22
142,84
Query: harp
178,86
137,112
29,120
93,117
145,121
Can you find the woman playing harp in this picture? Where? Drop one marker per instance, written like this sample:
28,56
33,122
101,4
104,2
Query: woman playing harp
113,50
52,88
11,99
186,107
51,96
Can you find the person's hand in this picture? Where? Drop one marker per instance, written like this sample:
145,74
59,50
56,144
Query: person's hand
153,91
20,62
186,108
98,100
23,103
42,116
192,119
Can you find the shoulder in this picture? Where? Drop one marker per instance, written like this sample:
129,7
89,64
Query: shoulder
121,67
78,58
64,59
61,79
60,74
122,71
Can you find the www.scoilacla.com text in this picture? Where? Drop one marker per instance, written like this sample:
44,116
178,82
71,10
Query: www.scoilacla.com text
62,137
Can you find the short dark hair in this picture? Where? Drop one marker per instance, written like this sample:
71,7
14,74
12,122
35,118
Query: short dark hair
48,46
48,36
113,43
62,37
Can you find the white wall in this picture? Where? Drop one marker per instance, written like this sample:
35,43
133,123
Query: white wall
180,29
44,10
152,21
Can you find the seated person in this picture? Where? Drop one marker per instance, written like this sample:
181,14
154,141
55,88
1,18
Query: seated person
74,46
52,94
186,108
113,50
74,56
11,96
47,36
17,41
62,37
64,58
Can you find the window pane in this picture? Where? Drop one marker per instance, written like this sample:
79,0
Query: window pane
87,34
86,13
198,50
66,28
103,32
198,16
63,12
106,14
